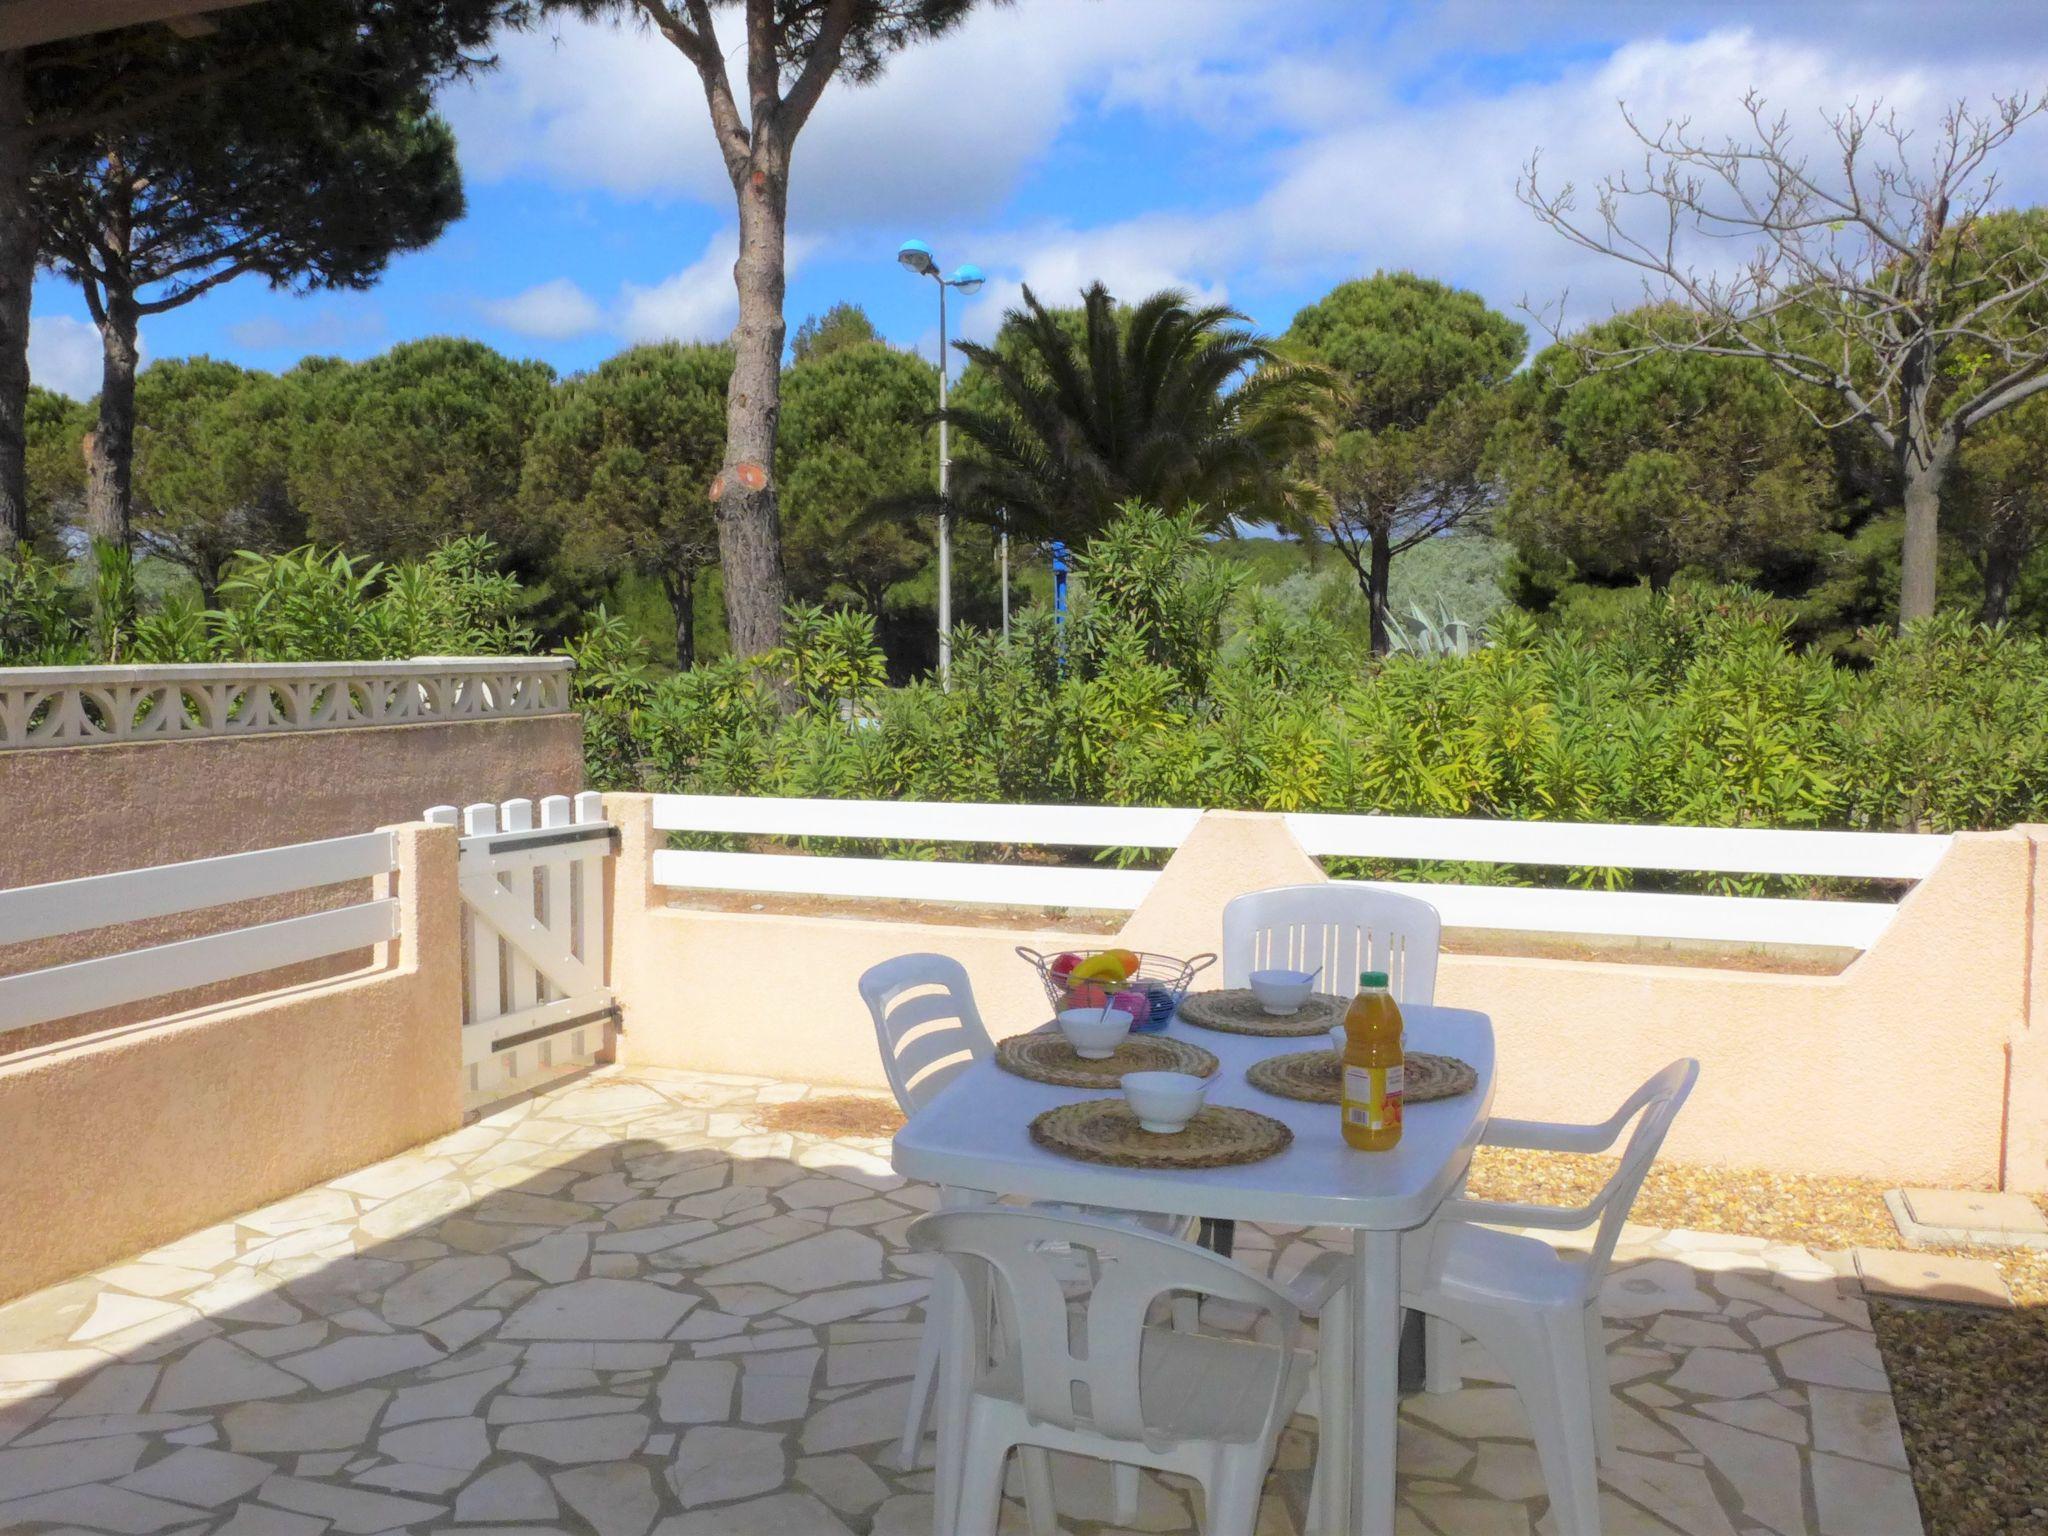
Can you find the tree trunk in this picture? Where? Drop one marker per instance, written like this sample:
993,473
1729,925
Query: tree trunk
2005,551
1998,581
18,243
680,586
110,465
744,495
1382,567
1920,555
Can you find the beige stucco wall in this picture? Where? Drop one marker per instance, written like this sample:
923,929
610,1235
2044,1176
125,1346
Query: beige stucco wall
2026,1114
134,1137
129,805
1898,1068
1894,1069
132,805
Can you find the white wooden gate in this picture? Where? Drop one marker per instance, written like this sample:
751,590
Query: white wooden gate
535,1001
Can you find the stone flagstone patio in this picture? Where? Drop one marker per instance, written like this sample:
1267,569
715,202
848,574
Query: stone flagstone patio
623,1307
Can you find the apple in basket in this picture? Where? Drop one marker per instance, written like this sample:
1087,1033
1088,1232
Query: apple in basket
1061,965
1086,994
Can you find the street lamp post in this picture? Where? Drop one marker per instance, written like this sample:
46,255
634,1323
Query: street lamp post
917,257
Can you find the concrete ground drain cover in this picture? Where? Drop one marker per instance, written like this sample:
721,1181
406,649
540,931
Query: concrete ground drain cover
1932,1277
1964,1217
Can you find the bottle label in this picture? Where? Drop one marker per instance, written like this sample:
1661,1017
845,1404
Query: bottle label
1372,1096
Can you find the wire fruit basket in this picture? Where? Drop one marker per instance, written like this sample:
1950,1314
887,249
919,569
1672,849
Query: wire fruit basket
1161,980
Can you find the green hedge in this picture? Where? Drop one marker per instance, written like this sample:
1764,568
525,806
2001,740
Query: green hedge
1174,685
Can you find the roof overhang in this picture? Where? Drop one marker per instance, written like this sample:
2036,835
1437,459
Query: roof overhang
24,23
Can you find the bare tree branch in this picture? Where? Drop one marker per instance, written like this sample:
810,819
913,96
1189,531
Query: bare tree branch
1863,283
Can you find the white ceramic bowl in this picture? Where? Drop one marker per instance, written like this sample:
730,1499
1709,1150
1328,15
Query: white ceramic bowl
1282,992
1094,1033
1164,1101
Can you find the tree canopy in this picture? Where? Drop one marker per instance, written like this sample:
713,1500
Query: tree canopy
1887,288
393,455
1419,364
62,102
790,50
1680,462
312,181
211,457
621,462
2001,506
1175,405
855,429
55,430
845,324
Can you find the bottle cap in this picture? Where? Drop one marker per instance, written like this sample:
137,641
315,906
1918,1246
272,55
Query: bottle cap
1373,979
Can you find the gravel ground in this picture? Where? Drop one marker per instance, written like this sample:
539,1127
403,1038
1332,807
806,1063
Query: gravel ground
1971,1386
835,1115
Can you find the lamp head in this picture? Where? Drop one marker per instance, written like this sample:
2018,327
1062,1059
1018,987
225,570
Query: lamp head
967,278
917,256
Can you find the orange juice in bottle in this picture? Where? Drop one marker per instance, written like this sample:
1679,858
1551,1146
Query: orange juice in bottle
1372,1066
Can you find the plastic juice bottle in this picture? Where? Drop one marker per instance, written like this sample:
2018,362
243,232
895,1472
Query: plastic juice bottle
1373,1068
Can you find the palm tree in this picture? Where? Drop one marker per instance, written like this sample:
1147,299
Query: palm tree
1178,407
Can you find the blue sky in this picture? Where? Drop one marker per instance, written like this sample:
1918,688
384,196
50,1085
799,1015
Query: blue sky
1249,151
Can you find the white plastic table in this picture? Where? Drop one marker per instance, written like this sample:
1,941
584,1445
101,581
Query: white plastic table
974,1136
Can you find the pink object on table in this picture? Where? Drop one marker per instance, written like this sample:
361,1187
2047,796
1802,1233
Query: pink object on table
1136,1004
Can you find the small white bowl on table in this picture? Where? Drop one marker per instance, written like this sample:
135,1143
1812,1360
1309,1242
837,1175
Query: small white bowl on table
1094,1033
1282,992
1164,1102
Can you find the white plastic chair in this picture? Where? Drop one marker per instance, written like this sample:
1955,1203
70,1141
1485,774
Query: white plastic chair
1104,1384
1536,1311
928,1029
1339,929
926,1024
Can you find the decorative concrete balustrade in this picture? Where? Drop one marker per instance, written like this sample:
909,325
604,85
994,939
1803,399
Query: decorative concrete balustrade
84,706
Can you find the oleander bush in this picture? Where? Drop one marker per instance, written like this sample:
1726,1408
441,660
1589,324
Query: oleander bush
1172,685
307,605
1174,681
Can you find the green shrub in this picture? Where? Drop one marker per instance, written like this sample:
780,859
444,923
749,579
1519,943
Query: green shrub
39,624
308,605
1173,685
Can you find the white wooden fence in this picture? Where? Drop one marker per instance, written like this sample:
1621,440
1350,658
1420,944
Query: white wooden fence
80,706
1851,855
97,901
535,1000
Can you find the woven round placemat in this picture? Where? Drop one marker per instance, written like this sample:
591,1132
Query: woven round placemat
1045,1057
1234,1011
1105,1131
1316,1077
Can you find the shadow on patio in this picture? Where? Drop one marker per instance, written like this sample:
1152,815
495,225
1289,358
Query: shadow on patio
624,1306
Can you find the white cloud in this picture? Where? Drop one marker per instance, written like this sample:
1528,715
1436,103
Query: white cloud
1131,259
558,310
696,304
64,355
947,133
344,323
589,104
1395,143
1432,188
